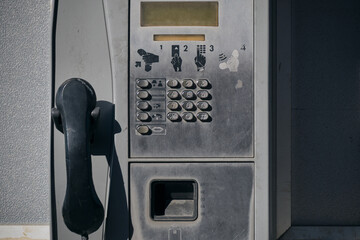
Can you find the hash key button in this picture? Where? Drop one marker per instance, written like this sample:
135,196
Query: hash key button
204,117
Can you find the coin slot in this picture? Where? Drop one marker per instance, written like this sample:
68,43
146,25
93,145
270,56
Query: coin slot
174,200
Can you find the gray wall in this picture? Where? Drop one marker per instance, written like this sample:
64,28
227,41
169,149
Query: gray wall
325,112
25,102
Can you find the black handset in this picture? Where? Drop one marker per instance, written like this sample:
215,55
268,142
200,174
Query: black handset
76,116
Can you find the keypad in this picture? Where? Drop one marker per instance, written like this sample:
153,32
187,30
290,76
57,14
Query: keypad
160,100
189,100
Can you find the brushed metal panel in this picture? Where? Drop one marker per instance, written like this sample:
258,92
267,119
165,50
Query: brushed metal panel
230,133
225,201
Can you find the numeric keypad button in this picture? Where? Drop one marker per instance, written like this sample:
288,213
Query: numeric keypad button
143,105
188,83
189,95
189,106
143,94
203,83
189,117
204,117
204,106
173,94
173,116
173,83
142,116
174,106
203,94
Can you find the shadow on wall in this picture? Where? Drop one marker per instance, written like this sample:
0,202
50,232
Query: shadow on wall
118,225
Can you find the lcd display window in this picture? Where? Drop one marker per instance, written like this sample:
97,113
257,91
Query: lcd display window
179,14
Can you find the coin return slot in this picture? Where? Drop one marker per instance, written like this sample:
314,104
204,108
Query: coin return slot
174,200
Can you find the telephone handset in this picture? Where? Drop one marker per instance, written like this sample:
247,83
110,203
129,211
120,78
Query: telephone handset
76,116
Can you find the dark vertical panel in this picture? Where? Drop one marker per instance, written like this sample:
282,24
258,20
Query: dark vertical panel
326,112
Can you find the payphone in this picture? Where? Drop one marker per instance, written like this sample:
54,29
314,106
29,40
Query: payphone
188,82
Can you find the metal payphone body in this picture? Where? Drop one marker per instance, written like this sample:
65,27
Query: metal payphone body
191,110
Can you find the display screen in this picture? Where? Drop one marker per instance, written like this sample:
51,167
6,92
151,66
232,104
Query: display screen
179,37
179,14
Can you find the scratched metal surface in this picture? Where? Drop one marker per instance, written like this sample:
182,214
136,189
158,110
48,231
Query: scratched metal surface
25,101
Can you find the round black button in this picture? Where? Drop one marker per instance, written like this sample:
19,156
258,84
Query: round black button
172,105
204,117
143,129
143,94
143,83
188,83
173,83
173,116
189,117
142,116
173,94
202,105
188,105
203,83
143,105
188,94
203,94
